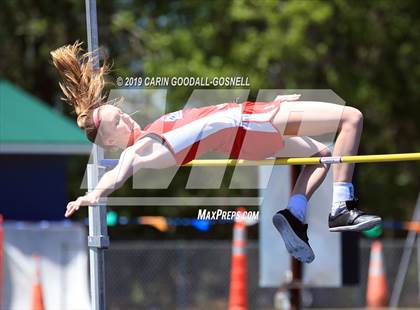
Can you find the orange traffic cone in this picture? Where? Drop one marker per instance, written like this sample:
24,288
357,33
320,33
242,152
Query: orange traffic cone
238,273
37,300
377,288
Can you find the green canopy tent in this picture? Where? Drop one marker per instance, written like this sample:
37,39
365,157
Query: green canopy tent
34,140
29,126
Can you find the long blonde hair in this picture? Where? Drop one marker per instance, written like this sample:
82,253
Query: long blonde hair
81,84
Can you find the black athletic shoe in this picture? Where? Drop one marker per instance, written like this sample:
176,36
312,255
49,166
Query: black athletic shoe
294,235
352,219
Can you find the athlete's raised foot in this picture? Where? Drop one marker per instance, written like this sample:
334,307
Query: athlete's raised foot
294,234
352,219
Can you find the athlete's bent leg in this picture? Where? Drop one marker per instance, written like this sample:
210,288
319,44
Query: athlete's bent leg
290,221
313,118
318,118
311,176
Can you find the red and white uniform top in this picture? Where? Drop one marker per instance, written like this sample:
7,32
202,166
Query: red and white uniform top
240,131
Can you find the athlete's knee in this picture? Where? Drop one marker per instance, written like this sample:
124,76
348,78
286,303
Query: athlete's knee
325,152
352,117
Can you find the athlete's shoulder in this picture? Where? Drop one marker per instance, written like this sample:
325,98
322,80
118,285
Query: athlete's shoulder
141,143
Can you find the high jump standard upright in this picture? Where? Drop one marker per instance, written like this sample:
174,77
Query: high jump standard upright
98,239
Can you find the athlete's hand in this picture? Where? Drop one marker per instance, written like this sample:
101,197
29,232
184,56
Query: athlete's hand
283,98
86,200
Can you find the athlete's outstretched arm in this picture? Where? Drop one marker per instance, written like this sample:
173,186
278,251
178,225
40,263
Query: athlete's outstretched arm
146,153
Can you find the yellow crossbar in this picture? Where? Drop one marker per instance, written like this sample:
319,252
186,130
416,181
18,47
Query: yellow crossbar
305,160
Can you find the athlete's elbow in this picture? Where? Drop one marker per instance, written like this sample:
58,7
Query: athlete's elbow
119,183
119,179
160,164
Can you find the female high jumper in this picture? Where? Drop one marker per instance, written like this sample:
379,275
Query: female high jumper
246,130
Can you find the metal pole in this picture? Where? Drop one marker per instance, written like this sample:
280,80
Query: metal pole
296,266
109,163
98,239
405,260
418,269
307,160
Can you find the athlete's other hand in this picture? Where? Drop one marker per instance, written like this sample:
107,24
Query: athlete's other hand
283,98
86,200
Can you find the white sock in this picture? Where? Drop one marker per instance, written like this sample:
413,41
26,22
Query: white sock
297,206
342,191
